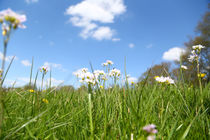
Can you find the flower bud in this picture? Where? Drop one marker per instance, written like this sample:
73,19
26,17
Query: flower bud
15,26
4,32
10,19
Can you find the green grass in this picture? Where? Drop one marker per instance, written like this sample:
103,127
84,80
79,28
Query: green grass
116,113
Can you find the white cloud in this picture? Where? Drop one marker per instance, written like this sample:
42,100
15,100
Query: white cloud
8,58
131,45
21,81
89,13
173,54
103,33
55,82
26,63
132,79
115,39
54,65
31,1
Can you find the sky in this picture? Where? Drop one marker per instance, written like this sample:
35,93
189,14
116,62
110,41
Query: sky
67,35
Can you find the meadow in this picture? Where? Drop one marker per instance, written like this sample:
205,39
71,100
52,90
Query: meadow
114,113
106,106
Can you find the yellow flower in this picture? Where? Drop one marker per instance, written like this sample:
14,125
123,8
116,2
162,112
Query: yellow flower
132,83
31,91
45,101
156,77
101,87
201,75
4,32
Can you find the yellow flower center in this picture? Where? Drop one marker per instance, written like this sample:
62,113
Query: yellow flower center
201,75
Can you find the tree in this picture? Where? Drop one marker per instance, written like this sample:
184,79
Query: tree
190,75
203,38
163,69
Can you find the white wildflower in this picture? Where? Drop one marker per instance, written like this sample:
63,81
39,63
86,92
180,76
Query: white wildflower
164,79
104,64
79,73
85,76
151,128
14,18
99,73
198,47
151,137
108,62
194,56
169,80
184,67
44,69
84,70
114,73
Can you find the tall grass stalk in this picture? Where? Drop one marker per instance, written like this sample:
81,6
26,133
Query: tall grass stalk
90,117
6,40
31,73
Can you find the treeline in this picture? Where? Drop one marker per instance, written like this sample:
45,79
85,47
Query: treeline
190,74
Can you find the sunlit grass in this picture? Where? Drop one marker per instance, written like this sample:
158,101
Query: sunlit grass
66,115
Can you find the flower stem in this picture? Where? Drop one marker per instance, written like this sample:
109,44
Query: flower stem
1,83
90,116
200,84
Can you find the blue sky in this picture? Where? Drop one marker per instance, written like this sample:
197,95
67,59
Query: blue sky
68,34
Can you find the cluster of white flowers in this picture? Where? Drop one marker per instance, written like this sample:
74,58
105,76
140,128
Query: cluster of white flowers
194,56
88,77
114,73
162,79
44,69
184,67
99,73
98,76
79,72
10,19
198,47
151,130
108,62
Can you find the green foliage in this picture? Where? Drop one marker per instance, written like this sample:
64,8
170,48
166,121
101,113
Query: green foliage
203,38
190,75
162,69
116,113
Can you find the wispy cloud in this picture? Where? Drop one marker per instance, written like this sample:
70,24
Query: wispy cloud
31,1
132,79
131,45
115,39
26,63
173,54
89,14
21,81
54,65
149,46
8,58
